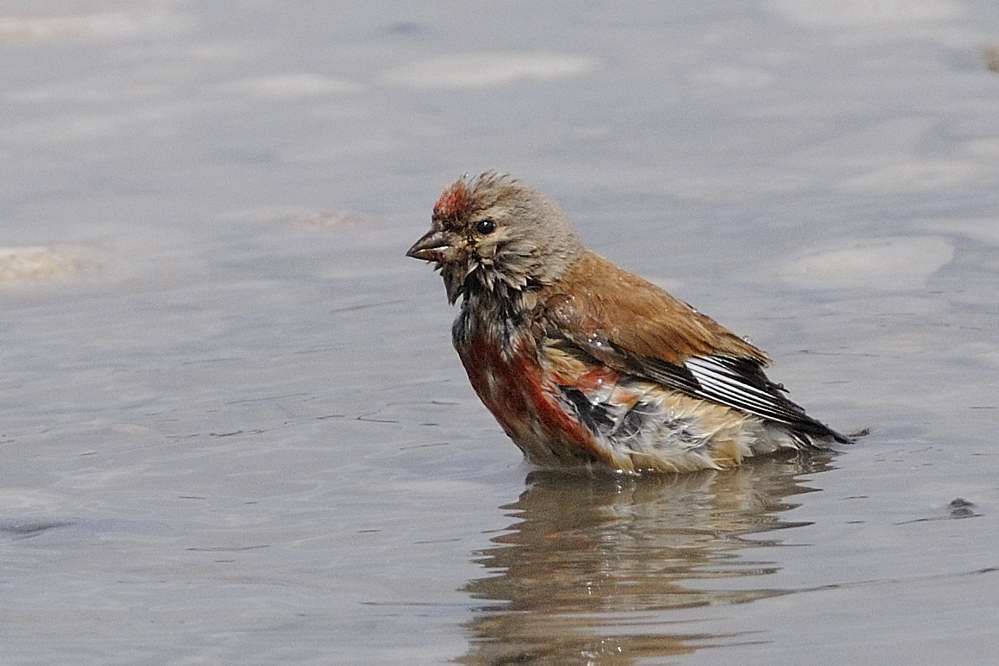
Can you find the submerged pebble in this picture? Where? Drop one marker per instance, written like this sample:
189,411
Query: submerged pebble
883,264
301,217
961,508
298,85
35,263
108,25
861,14
489,69
23,529
992,58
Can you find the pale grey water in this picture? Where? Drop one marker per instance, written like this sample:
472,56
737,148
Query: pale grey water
232,426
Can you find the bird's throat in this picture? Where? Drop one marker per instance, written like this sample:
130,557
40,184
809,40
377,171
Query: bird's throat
501,316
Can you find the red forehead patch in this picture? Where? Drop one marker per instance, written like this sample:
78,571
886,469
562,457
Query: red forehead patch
453,202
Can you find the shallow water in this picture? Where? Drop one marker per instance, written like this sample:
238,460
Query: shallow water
232,426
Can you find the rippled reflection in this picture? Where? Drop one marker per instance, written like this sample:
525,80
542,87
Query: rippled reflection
591,564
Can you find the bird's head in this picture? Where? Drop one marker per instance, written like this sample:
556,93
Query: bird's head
497,235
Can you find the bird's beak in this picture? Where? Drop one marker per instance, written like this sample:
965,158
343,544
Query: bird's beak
431,247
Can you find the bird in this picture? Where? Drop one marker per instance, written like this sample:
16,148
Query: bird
586,365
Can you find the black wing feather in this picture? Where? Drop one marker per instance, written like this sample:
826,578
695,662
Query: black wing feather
734,382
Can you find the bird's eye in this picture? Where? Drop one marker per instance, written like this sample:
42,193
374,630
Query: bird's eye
485,227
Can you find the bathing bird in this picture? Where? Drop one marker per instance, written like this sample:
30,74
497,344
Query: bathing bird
585,364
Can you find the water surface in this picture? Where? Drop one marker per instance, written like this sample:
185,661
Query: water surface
232,426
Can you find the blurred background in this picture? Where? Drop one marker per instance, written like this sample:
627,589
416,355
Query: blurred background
232,428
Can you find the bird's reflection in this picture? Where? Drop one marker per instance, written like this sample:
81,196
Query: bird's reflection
592,567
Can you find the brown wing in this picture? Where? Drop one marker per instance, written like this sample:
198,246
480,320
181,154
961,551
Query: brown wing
633,326
597,297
